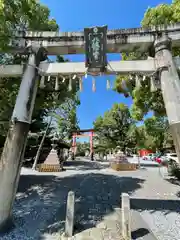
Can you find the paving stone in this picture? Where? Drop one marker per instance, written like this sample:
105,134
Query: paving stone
82,235
100,232
63,237
110,234
84,238
115,235
112,216
110,224
97,233
117,210
101,225
106,235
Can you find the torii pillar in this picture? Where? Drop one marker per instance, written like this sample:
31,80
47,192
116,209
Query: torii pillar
91,146
15,144
170,85
74,146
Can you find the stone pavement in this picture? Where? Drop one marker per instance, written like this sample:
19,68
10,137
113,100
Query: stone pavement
108,228
40,206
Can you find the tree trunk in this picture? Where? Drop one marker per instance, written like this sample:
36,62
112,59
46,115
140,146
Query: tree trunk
41,145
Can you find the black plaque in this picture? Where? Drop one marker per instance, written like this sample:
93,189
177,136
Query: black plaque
95,47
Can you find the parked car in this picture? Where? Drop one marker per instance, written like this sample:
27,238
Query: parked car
148,157
172,162
172,157
152,156
159,158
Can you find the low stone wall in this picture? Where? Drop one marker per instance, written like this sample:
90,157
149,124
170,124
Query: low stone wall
49,168
123,166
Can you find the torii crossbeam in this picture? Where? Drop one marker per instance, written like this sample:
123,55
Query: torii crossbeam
119,40
115,67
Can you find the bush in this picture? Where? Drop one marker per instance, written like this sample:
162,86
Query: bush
174,170
80,154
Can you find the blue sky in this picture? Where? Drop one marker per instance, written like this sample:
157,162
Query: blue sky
75,15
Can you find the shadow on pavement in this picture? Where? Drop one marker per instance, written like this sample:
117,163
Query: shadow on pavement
41,200
139,233
153,205
173,181
84,165
149,165
178,194
140,228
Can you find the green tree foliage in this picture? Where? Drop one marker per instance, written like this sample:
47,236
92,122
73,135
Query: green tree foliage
66,118
137,137
157,129
21,15
117,128
153,134
82,148
113,128
145,100
162,14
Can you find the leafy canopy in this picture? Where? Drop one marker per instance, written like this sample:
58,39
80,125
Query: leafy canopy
145,100
117,129
21,15
114,127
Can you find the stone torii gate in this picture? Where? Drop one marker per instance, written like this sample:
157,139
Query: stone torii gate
157,41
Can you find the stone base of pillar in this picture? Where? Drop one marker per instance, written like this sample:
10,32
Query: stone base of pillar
175,131
73,156
52,163
92,157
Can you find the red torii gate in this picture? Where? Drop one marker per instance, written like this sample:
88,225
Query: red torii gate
80,133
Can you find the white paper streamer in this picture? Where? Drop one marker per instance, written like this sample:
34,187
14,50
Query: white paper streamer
57,84
80,84
42,82
153,87
70,84
123,84
138,82
93,84
130,77
74,77
49,78
108,84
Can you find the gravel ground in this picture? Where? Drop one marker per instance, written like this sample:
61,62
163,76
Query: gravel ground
41,199
159,205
